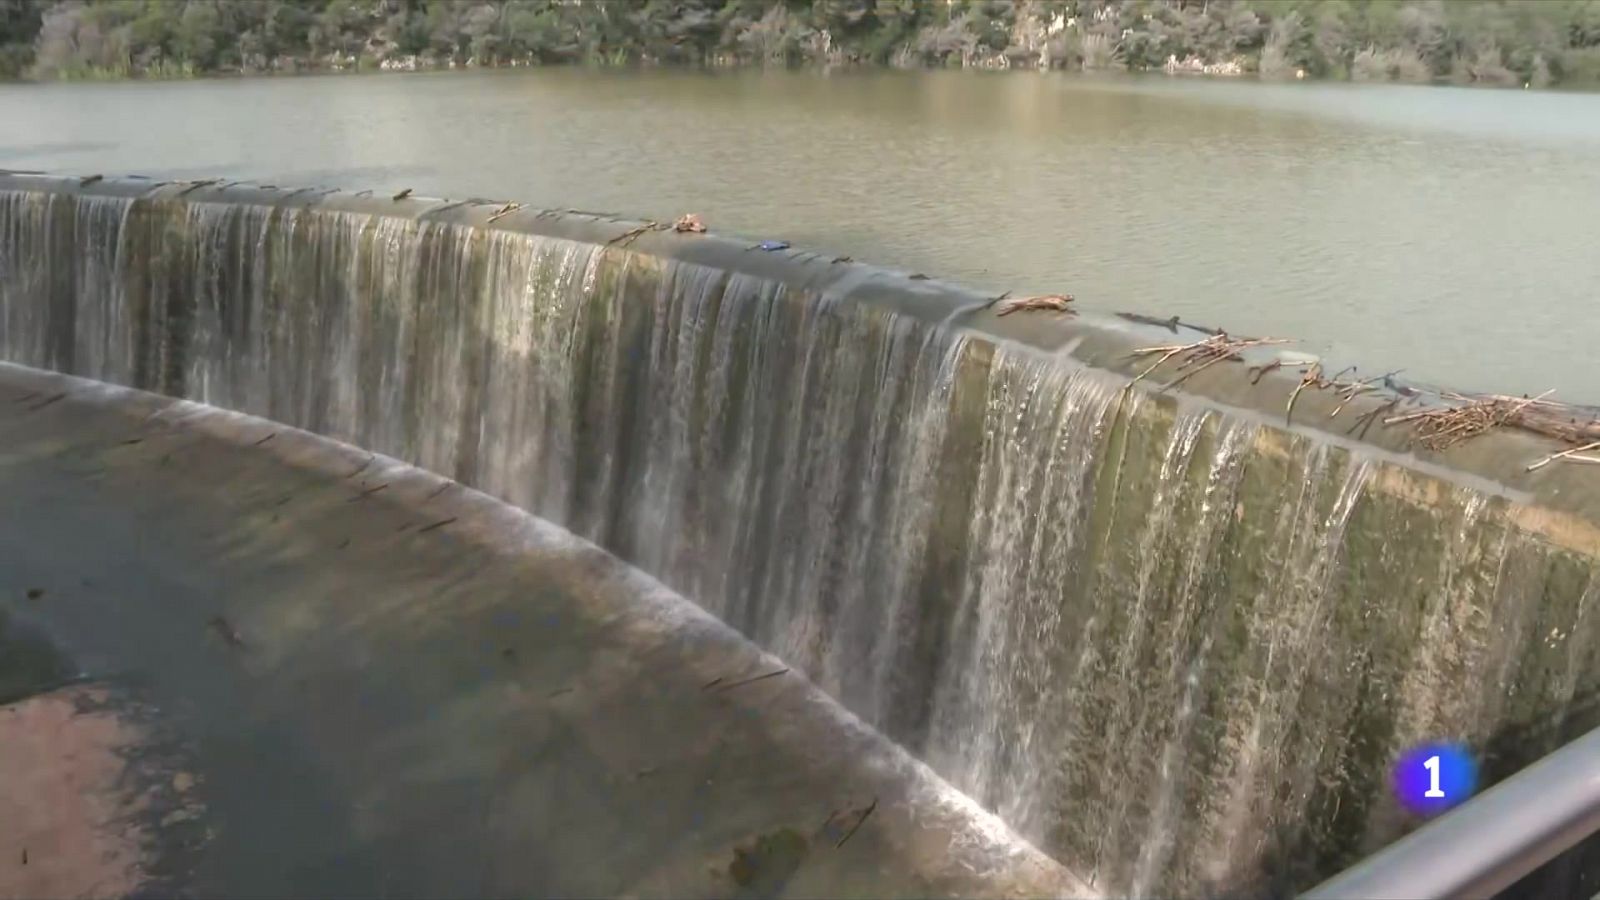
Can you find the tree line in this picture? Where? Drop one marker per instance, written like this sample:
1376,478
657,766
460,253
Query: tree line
1504,42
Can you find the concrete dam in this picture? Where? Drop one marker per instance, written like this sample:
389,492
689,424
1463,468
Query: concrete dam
1169,638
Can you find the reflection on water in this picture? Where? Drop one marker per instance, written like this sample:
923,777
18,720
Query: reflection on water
1440,230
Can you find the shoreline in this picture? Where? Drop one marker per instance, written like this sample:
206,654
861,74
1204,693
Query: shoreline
1178,75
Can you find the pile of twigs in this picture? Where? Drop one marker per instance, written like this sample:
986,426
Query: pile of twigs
1468,415
1200,355
1447,418
1461,417
1442,427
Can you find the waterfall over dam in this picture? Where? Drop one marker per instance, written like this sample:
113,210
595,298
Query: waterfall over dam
1170,638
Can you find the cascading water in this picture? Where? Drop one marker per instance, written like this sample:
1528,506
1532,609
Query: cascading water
1173,646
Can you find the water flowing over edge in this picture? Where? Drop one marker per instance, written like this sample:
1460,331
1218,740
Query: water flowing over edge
1174,647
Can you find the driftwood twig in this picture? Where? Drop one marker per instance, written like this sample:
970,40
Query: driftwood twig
1592,445
628,237
504,211
1312,376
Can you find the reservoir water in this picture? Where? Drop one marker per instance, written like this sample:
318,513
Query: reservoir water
1444,231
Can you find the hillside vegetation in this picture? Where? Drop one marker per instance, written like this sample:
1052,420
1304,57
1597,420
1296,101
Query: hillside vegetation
1499,42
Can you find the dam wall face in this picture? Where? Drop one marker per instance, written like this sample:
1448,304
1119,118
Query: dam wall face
1172,639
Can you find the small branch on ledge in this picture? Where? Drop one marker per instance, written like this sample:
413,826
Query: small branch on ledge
628,237
1312,376
1199,355
504,211
1171,323
1565,454
197,185
1365,420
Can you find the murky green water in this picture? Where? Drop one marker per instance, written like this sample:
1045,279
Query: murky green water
1449,232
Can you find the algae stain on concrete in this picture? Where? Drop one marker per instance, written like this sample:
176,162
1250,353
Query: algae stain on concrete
763,867
29,662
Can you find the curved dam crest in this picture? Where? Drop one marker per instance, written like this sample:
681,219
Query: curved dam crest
1167,637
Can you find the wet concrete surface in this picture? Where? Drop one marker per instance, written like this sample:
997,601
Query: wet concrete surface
326,673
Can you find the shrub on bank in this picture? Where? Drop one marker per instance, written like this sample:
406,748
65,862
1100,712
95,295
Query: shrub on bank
1469,41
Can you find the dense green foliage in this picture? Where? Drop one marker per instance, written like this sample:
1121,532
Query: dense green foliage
1486,41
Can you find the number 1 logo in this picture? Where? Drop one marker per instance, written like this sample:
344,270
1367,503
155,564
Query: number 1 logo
1432,765
1434,777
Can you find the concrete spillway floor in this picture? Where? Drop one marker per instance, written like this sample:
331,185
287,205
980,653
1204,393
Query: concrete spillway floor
241,660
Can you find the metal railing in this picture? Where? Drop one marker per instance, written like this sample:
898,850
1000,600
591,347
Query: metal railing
1489,842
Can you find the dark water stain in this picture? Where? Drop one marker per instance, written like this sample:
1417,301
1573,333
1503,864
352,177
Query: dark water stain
30,663
763,867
